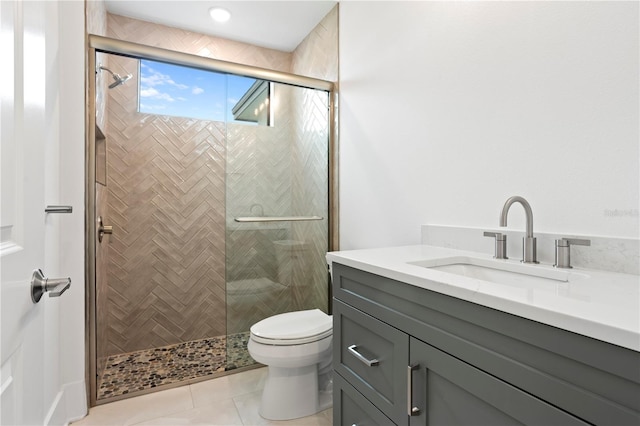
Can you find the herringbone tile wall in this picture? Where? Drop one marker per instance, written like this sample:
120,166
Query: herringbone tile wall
151,34
317,55
310,192
259,164
166,202
172,216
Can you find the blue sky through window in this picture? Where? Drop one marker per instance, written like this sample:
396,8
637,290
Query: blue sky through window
167,89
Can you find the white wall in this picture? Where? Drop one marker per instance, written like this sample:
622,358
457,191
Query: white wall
449,108
64,381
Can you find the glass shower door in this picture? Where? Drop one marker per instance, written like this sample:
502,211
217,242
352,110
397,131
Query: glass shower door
277,192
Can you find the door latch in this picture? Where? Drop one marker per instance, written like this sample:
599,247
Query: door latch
103,229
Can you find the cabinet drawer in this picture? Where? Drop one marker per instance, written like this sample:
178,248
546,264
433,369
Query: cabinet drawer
351,408
373,357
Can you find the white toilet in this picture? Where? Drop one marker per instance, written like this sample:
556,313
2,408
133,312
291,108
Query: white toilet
296,346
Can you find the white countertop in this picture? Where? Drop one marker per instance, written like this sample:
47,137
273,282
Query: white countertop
602,305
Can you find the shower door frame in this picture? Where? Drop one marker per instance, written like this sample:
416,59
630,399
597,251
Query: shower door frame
139,51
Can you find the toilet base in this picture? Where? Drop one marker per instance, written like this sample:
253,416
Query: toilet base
291,393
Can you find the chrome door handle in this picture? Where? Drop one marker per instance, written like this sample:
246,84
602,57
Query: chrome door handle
369,362
411,410
58,209
40,285
103,229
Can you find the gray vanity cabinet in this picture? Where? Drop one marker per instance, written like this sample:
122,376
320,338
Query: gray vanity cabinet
447,391
399,348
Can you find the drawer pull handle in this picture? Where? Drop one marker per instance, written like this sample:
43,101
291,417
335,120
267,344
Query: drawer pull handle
368,362
411,410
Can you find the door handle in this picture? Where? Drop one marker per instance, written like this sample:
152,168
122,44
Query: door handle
40,285
58,209
103,229
411,409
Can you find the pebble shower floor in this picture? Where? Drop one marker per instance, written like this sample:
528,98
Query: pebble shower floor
137,371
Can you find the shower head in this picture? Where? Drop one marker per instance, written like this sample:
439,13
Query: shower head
118,80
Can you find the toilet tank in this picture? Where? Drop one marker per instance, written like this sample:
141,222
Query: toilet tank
292,262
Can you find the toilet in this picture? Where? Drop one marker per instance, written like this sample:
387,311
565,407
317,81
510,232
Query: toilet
296,347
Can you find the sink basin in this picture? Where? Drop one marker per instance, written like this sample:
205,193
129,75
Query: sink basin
500,271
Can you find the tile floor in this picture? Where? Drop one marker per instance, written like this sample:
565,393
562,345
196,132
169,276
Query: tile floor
228,400
149,368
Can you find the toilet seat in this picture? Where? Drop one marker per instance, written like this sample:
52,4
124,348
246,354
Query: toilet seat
293,328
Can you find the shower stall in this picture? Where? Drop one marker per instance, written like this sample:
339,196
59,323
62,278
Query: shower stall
204,215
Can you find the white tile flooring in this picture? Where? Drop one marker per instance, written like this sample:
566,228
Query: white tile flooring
228,400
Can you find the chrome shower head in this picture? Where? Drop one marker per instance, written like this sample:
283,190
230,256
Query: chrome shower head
118,80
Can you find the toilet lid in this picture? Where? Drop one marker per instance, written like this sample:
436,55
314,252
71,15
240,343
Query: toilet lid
293,328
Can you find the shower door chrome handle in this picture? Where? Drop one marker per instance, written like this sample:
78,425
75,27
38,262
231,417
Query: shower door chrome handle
277,218
103,229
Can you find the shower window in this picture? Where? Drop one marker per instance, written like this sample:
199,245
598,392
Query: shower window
166,89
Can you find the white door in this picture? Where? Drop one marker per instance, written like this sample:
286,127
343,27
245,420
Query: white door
22,216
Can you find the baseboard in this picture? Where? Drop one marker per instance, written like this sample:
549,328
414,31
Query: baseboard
69,405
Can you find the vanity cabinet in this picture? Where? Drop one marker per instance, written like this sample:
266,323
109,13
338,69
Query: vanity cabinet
401,349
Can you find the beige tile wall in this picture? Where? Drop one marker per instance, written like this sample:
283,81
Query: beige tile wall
151,34
159,203
316,56
258,183
166,202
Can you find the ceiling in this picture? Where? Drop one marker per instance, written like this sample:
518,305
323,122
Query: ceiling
280,25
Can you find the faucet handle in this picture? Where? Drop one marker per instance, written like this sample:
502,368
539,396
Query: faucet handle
563,251
497,235
501,244
566,242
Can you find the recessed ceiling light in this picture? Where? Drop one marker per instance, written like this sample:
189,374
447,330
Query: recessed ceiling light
219,14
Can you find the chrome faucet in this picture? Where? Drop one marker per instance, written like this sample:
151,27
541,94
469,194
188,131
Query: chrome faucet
528,242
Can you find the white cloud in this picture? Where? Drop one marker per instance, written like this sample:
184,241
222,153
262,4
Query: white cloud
165,96
178,85
150,92
155,78
197,90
